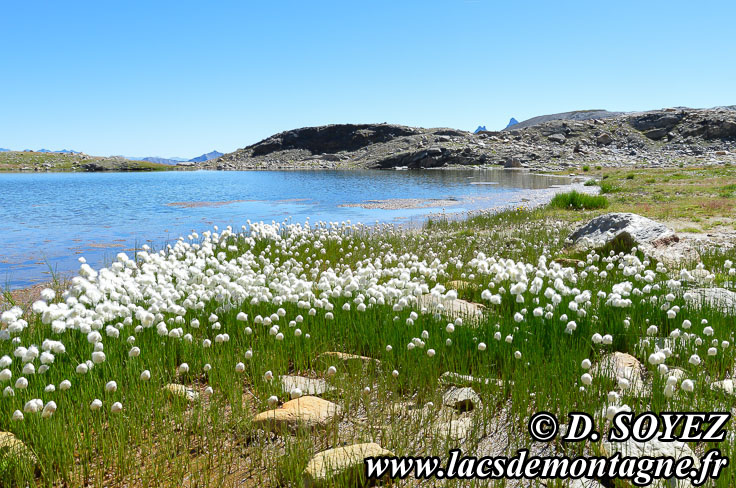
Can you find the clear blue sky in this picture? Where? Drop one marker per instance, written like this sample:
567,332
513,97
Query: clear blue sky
182,78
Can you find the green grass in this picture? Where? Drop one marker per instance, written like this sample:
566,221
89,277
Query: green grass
578,201
158,441
29,161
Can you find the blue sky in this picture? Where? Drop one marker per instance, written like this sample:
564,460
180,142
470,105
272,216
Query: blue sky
182,78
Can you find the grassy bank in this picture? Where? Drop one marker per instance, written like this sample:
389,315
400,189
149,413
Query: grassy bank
278,297
17,161
691,199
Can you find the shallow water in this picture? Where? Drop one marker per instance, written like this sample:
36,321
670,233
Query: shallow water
48,220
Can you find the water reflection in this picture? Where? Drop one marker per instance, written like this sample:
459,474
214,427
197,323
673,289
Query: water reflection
49,220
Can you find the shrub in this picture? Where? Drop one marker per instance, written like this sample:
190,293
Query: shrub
578,201
586,168
608,187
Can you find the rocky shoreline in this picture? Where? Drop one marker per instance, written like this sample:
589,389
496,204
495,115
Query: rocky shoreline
661,138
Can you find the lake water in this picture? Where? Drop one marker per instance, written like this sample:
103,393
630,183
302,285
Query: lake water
48,220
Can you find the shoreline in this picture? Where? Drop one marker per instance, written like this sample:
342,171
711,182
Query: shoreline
26,295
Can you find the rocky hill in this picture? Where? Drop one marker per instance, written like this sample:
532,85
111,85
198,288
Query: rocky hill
655,138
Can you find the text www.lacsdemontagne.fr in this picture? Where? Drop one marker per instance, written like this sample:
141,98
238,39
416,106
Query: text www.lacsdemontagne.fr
641,471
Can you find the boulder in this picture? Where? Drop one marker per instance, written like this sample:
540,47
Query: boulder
626,230
558,138
621,365
653,448
603,139
451,308
341,466
462,399
512,163
12,446
306,412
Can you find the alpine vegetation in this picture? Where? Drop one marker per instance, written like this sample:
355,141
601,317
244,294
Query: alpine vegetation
232,358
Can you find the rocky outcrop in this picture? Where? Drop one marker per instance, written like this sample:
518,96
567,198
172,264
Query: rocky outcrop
626,230
655,138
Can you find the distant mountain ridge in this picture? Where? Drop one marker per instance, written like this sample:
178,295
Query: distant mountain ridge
206,157
175,161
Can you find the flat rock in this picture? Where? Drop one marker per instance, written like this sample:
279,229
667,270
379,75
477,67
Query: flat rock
462,399
725,385
308,386
12,446
653,448
718,298
181,391
341,466
622,365
456,430
457,379
451,308
351,361
308,411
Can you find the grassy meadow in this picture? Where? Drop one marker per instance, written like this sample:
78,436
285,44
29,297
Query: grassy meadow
276,297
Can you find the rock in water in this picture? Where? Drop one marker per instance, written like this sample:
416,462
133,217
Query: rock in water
342,466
